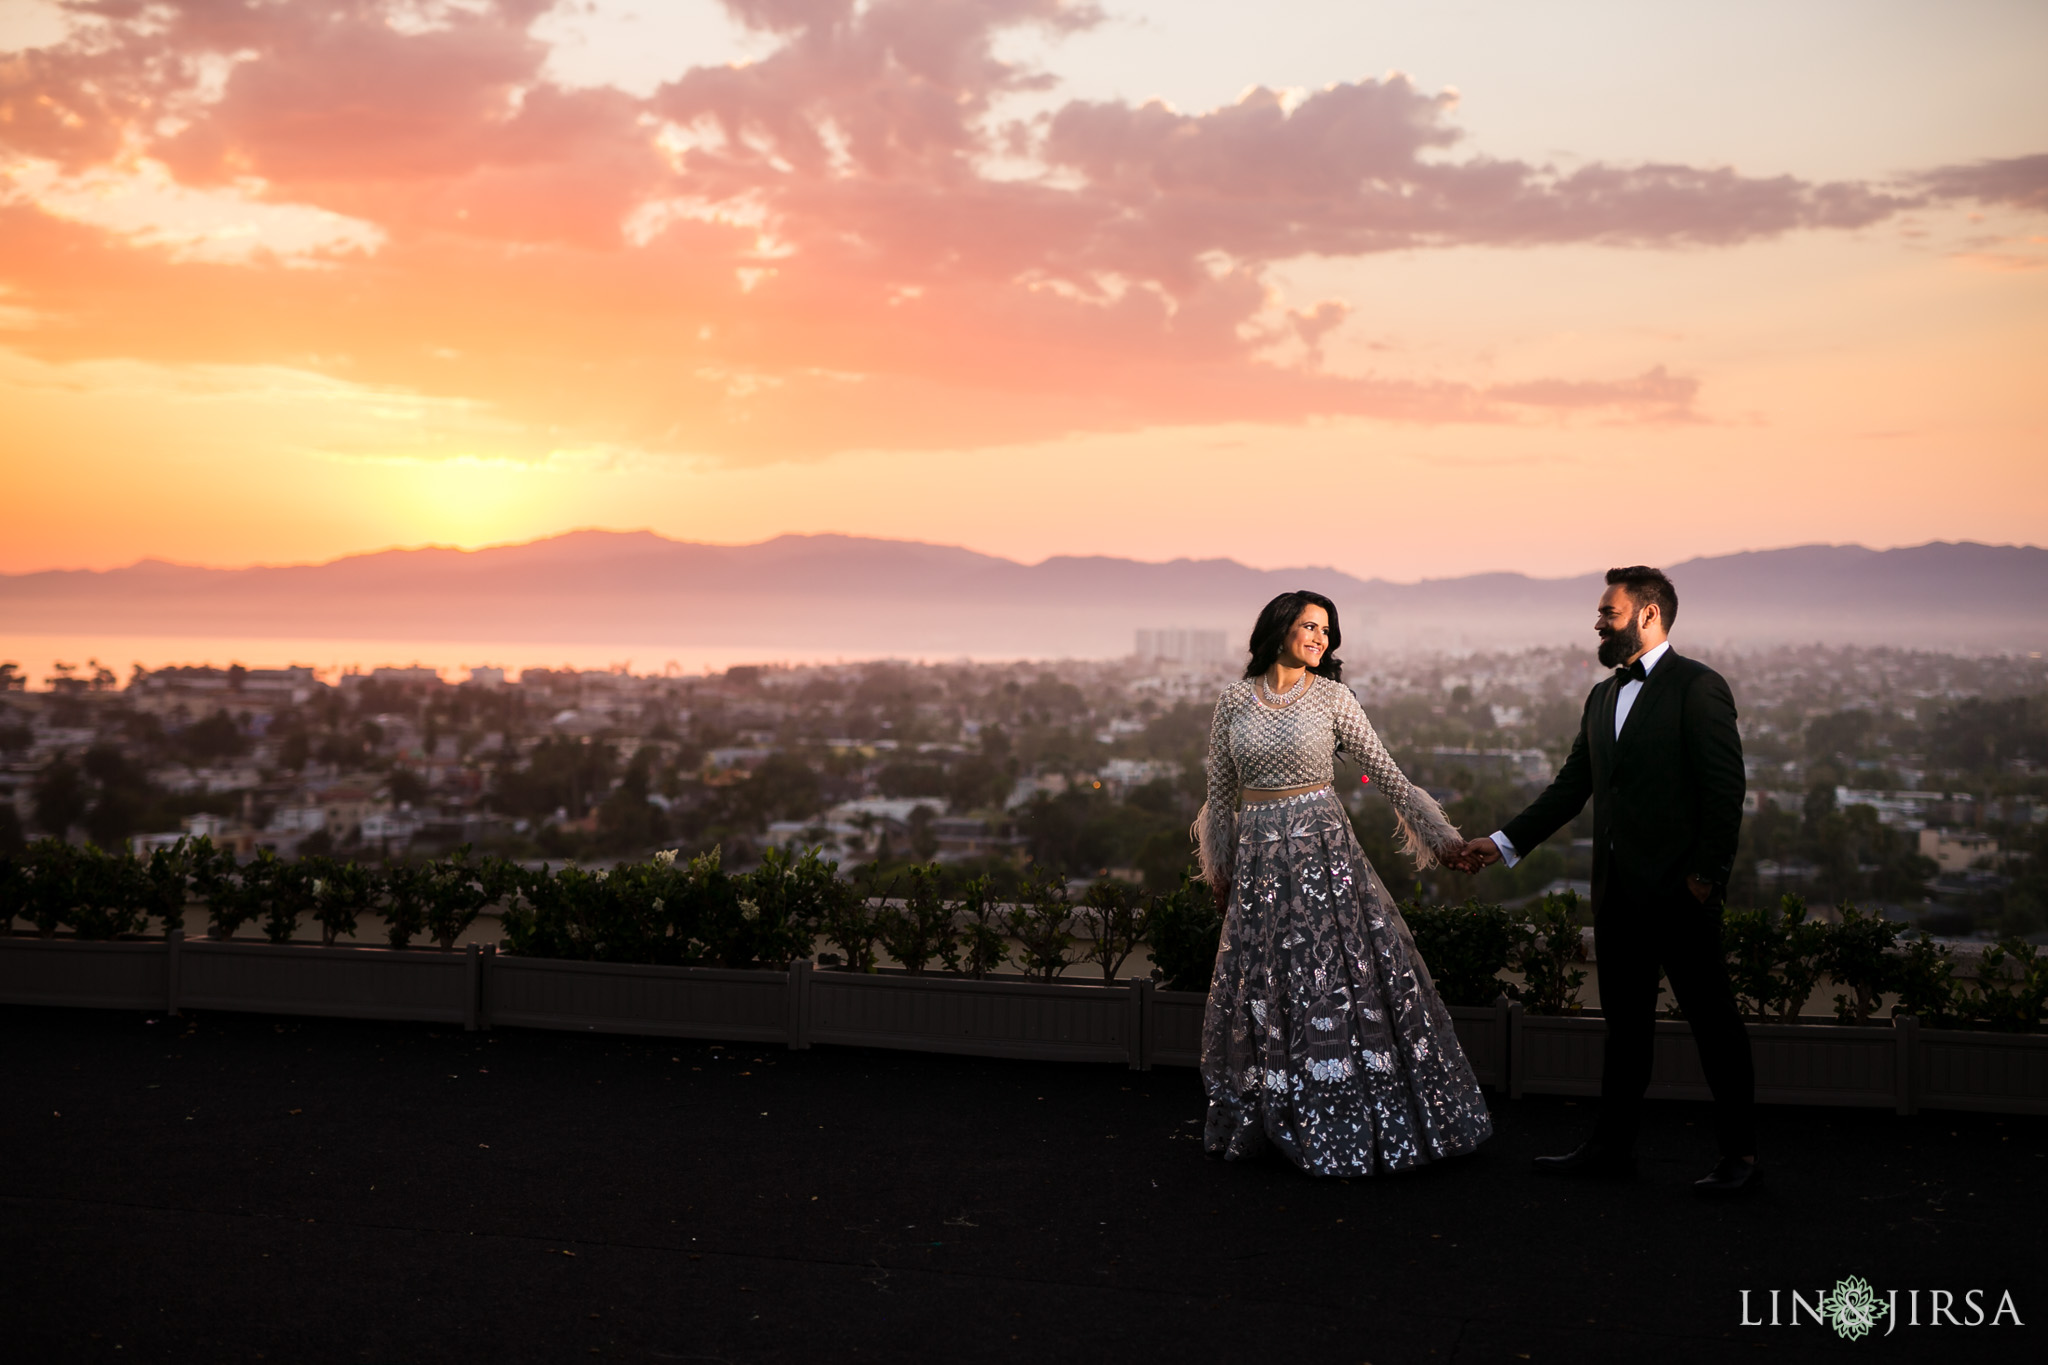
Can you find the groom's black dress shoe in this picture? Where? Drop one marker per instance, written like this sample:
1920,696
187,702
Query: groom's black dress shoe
1591,1161
1732,1176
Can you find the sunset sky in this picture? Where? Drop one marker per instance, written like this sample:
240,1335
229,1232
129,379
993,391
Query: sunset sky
1411,289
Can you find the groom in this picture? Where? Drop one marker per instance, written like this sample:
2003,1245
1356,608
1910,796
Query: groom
1658,753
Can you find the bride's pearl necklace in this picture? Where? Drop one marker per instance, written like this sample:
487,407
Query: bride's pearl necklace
1287,698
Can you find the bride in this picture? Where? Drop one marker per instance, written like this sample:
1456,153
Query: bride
1323,1034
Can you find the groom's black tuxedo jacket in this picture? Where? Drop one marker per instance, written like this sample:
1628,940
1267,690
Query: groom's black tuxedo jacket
1667,794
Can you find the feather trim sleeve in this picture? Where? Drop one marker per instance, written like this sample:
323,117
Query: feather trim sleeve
1425,830
1215,827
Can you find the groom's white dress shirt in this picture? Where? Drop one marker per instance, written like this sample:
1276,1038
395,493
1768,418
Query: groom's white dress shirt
1630,690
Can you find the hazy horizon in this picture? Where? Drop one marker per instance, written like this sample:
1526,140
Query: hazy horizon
1476,570
600,601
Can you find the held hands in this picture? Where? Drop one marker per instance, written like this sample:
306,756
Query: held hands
1474,856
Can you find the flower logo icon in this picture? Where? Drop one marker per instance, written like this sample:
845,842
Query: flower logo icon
1853,1308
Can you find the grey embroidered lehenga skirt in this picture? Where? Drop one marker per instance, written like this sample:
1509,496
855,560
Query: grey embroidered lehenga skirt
1324,1034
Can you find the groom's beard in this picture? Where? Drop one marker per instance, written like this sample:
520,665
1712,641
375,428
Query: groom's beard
1617,647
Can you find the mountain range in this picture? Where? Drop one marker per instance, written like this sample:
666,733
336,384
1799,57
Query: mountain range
797,596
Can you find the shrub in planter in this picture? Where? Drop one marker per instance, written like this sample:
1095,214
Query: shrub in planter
1186,928
341,891
238,896
110,894
659,912
1924,975
1465,948
1752,941
658,909
96,895
982,945
648,912
655,912
728,915
169,878
1858,954
457,890
1544,949
290,886
852,924
1773,957
585,915
537,924
1038,921
48,874
791,897
2010,989
212,874
921,929
1799,966
405,903
627,918
316,872
13,891
1116,919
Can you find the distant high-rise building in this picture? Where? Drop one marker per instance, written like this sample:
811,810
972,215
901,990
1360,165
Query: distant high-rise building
1183,646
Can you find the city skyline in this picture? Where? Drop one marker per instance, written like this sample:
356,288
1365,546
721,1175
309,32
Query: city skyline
292,284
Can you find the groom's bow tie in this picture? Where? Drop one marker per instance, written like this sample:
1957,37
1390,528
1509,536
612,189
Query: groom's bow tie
1634,671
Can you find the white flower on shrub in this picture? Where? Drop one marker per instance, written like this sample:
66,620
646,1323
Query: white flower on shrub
666,857
749,910
319,887
659,904
600,874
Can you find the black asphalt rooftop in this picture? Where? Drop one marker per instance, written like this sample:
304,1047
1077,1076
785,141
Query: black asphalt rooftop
236,1188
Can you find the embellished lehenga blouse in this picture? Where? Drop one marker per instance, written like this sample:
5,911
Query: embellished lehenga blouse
1256,747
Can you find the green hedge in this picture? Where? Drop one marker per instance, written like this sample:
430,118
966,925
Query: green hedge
694,913
1776,957
1187,926
665,911
1467,948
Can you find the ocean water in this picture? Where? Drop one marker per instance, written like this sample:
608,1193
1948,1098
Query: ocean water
36,656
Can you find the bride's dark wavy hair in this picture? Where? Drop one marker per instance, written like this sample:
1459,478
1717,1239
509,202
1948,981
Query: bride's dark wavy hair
1278,618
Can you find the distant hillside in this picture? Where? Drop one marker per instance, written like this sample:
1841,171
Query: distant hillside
814,594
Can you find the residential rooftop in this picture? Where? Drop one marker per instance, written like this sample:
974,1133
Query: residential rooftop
233,1187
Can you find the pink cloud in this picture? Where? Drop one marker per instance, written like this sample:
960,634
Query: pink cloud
1653,395
1355,168
2018,181
835,266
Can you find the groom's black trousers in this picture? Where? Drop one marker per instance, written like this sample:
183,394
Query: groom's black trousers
1639,934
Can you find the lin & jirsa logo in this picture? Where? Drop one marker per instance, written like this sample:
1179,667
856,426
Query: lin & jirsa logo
1854,1309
